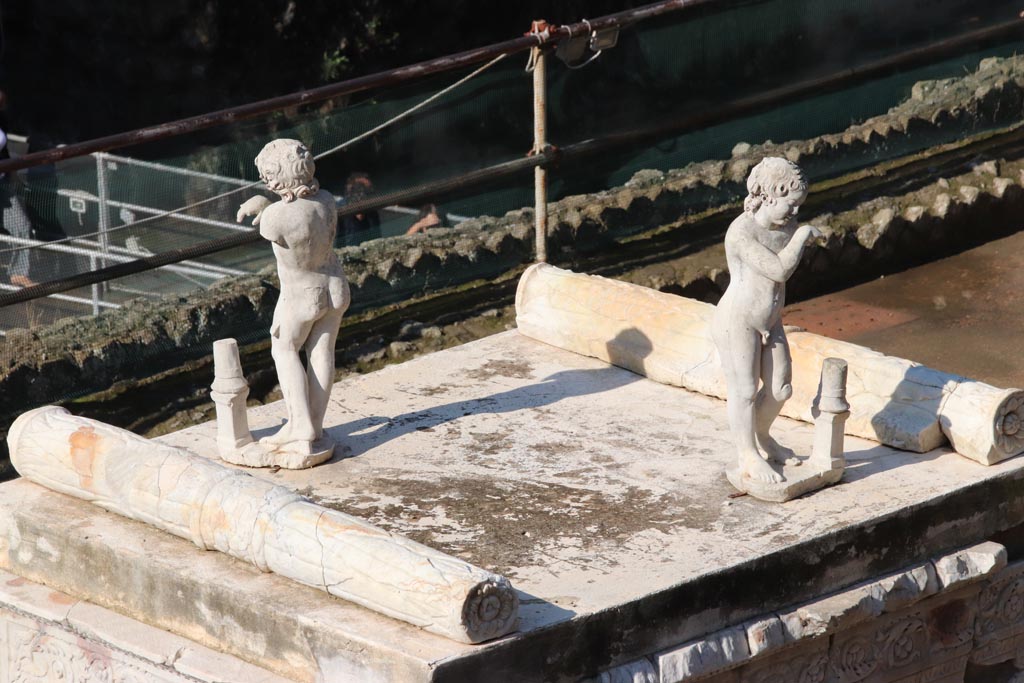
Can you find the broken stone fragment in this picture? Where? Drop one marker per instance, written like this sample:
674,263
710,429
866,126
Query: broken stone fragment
765,634
970,564
860,603
1000,185
969,193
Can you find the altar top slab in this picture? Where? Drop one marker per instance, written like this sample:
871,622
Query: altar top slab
599,493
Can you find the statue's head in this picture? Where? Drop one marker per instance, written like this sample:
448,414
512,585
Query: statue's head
287,167
772,179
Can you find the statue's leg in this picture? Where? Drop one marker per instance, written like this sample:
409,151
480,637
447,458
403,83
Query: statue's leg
320,366
287,336
741,360
776,388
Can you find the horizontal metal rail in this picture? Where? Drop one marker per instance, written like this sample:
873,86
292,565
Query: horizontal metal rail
129,161
234,227
435,189
89,197
110,256
72,299
384,78
114,249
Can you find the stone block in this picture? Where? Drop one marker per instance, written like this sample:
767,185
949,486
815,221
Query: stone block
765,634
34,599
1000,185
969,194
96,646
930,641
208,665
941,205
969,564
913,213
127,634
860,603
639,671
804,663
704,656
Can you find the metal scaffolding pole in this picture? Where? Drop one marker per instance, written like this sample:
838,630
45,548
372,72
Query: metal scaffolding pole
540,174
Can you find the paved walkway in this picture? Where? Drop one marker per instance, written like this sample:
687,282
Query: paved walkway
963,314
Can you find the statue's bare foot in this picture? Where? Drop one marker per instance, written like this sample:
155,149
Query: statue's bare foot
281,436
755,467
776,452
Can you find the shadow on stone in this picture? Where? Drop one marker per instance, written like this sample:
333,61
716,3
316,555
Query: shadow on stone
359,436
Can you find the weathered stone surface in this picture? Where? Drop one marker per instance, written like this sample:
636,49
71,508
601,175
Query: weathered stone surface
928,642
639,671
803,663
269,526
46,635
707,655
765,634
614,523
969,194
999,629
668,339
990,167
861,603
1000,185
969,564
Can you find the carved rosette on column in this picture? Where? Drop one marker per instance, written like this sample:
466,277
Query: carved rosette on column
275,529
930,642
1000,625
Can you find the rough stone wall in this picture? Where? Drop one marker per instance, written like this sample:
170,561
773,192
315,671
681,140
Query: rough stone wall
873,237
680,215
391,269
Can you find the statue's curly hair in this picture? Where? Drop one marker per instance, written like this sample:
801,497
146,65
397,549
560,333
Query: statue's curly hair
287,167
772,178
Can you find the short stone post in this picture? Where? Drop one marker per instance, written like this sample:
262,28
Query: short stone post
229,391
830,417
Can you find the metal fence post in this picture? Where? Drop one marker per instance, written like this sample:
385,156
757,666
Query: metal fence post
95,289
104,209
540,174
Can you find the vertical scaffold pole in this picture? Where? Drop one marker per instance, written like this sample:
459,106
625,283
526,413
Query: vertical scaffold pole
103,206
104,211
540,174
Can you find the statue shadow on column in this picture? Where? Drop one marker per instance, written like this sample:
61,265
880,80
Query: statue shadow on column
627,349
880,458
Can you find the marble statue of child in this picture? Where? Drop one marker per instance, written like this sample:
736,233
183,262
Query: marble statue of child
314,292
762,247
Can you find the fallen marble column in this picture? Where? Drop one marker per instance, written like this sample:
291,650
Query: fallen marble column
666,338
267,525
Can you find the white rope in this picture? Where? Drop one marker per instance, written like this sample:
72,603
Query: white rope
362,136
413,109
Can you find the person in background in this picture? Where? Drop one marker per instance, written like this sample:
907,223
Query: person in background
358,227
15,220
428,218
